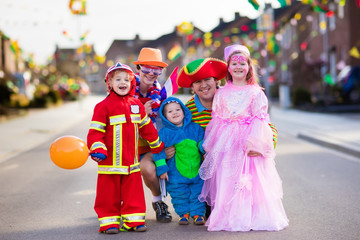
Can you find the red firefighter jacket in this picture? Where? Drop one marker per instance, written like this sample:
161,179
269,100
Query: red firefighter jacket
116,125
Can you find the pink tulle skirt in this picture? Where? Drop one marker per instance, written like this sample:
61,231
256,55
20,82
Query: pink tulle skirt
245,193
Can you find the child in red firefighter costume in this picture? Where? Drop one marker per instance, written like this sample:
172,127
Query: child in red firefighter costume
116,125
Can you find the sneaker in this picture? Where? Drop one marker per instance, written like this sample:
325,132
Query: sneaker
184,219
199,220
162,213
112,230
140,228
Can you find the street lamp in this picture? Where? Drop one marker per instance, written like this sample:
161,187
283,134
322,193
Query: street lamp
265,22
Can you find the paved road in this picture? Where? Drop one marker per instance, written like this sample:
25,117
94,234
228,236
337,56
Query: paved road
41,201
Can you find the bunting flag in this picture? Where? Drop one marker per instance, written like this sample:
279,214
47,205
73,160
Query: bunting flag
77,7
317,6
303,46
99,59
330,14
307,1
65,33
14,46
329,79
354,52
358,3
255,4
170,87
82,38
174,52
284,3
185,28
321,8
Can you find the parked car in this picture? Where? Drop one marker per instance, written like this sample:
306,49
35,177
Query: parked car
349,81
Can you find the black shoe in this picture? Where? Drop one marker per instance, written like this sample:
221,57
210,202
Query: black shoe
208,211
162,213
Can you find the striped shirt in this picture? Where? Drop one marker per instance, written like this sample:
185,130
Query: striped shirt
202,116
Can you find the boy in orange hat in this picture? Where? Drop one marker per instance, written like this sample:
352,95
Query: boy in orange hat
113,137
150,66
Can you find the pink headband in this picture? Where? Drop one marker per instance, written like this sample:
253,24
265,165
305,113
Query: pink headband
230,49
238,58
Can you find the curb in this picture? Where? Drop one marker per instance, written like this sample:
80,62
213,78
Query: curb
330,144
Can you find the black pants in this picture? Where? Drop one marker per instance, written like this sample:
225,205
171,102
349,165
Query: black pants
208,211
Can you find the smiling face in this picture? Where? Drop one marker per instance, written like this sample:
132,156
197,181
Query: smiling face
147,76
120,82
174,113
238,68
205,88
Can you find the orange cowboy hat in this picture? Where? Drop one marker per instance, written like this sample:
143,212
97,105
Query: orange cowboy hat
150,56
200,69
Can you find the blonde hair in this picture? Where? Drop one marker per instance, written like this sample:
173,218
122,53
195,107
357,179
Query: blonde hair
252,76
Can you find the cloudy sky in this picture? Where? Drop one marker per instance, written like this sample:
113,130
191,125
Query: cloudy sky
38,25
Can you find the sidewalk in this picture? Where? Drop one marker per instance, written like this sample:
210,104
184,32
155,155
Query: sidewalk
23,133
340,132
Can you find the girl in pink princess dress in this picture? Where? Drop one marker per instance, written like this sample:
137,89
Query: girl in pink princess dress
242,185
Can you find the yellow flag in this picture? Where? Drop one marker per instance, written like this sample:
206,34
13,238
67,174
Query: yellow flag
354,52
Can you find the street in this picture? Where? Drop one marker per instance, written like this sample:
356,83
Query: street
61,58
39,200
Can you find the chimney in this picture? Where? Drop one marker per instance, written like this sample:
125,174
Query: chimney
237,16
221,21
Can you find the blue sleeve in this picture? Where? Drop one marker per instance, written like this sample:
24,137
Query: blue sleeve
160,162
200,146
98,155
160,158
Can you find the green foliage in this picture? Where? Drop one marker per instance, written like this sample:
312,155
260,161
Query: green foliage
40,101
5,93
19,101
3,110
54,96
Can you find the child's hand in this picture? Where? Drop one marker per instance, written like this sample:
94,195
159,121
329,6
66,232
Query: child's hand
254,154
147,106
164,176
169,152
97,157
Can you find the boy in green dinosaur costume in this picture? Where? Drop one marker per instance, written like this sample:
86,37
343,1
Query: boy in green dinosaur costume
181,171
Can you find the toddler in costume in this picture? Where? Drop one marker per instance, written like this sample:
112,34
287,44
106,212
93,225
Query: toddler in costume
243,190
181,171
113,137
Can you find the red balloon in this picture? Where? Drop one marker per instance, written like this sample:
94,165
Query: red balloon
69,152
